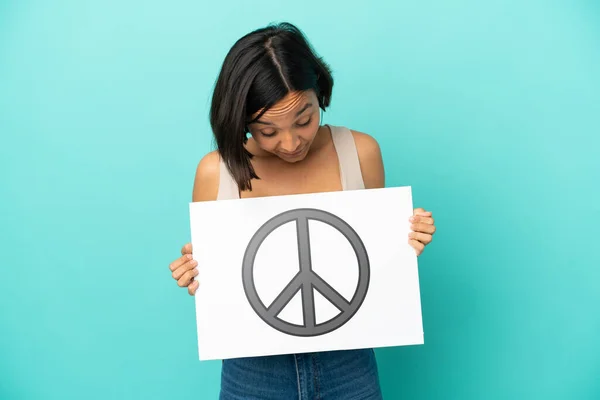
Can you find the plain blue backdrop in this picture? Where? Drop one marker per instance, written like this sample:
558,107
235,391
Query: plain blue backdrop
489,109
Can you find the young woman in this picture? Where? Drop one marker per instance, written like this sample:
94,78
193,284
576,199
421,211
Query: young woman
265,116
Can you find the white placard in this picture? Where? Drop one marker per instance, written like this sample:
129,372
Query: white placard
305,273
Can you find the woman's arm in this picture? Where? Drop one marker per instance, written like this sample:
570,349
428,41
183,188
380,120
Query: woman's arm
371,164
206,186
206,181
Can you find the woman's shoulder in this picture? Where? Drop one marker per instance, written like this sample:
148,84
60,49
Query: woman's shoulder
369,157
365,143
206,181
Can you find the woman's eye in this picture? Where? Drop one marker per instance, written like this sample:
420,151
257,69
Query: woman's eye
268,134
304,123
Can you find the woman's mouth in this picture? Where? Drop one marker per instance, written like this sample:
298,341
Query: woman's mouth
294,154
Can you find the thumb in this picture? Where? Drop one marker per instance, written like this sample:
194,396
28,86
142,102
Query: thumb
422,212
187,249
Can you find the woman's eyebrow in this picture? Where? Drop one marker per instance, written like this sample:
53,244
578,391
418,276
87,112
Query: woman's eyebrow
306,106
258,121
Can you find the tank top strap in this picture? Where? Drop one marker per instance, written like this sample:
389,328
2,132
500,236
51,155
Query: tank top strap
228,188
350,172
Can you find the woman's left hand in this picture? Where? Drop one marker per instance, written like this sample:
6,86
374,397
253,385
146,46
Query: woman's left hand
422,230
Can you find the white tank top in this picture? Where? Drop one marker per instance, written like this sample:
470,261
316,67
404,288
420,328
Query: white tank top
350,172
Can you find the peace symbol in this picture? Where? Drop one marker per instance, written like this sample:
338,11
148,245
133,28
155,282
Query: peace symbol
306,280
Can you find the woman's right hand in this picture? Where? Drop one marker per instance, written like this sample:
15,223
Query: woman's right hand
184,270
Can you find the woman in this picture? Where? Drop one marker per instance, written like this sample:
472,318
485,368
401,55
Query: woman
265,116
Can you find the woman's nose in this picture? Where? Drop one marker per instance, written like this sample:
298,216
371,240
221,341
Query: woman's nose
289,142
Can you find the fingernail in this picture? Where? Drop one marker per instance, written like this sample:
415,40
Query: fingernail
194,263
411,219
189,256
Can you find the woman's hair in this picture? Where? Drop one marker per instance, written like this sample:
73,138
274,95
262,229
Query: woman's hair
261,68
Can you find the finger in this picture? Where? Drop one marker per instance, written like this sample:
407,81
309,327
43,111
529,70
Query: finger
180,261
421,211
179,272
187,249
425,220
187,277
424,228
421,237
192,287
418,246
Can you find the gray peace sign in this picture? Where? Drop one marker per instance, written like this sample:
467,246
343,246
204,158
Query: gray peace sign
306,280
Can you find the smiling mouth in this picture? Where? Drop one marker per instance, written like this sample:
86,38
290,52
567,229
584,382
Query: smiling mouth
294,154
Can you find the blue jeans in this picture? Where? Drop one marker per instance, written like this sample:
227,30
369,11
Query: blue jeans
332,375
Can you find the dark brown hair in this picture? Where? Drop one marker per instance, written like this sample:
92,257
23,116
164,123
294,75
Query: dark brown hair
261,68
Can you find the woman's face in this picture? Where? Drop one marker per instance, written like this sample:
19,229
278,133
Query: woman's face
289,127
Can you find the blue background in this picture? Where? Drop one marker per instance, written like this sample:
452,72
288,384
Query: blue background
489,109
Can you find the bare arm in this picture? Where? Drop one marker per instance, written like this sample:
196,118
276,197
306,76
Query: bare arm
206,187
371,161
206,181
